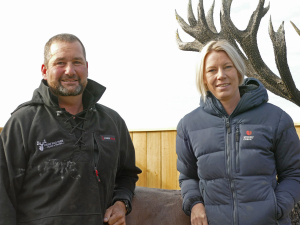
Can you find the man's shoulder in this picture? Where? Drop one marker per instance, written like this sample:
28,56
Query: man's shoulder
114,115
21,118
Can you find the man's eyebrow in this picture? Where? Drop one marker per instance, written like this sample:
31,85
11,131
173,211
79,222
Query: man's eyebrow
64,58
58,59
78,58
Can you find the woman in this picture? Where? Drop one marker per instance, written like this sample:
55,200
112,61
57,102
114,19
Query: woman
231,148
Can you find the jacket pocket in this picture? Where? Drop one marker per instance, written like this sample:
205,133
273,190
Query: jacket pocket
276,206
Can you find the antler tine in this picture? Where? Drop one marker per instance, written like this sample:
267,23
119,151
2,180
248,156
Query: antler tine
256,17
296,28
227,27
265,10
203,32
210,18
194,46
279,46
191,16
184,25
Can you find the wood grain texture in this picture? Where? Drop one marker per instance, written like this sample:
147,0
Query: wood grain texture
154,159
140,145
298,129
169,160
1,129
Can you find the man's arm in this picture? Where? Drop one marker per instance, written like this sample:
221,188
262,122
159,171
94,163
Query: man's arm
127,176
12,168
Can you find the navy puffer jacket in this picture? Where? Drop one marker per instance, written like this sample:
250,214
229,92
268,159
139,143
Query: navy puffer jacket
230,163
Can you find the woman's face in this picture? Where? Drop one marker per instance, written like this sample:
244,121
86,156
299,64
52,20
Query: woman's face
221,77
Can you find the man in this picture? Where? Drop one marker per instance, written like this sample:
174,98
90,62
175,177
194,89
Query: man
64,158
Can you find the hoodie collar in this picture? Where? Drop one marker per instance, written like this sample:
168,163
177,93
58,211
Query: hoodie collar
253,94
92,93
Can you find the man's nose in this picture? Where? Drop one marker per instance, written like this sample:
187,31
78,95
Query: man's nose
70,70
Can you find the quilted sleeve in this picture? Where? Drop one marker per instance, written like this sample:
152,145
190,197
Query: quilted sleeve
187,166
287,156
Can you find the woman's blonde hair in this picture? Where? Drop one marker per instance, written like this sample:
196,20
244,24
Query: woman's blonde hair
221,45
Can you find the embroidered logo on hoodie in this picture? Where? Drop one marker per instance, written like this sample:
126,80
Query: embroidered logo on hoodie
248,137
44,145
108,138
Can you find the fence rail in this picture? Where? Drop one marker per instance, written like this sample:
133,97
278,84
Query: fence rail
156,157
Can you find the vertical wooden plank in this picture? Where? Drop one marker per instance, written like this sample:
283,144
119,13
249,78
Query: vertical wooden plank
140,145
298,129
153,160
131,135
178,187
169,160
1,129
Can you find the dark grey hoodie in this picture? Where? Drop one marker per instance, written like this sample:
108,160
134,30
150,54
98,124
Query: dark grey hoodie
52,174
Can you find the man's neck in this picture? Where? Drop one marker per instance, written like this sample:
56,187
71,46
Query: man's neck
72,104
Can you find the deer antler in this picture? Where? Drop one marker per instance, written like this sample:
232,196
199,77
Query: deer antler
204,31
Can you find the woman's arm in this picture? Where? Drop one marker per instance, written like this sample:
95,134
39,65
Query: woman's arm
188,179
287,156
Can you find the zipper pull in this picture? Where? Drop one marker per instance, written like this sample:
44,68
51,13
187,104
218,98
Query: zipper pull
228,126
237,135
97,174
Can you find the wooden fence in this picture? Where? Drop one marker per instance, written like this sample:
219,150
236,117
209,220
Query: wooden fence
156,157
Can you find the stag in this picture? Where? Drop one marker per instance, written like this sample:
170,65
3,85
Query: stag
204,30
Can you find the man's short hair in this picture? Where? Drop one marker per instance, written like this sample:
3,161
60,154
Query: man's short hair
69,38
221,45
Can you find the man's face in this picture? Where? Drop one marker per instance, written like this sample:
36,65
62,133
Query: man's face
67,69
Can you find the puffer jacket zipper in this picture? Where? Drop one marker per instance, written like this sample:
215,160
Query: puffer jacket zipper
228,132
96,157
237,147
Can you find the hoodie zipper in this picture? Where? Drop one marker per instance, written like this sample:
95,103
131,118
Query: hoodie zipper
96,158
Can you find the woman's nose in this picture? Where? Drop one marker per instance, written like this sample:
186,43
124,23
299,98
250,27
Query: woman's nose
221,74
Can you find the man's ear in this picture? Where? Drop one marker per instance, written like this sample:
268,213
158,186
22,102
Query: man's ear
87,64
44,71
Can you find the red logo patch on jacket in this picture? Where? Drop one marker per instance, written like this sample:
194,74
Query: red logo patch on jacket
248,132
248,137
108,138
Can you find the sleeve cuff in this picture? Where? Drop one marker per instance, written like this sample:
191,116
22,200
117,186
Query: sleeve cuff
189,204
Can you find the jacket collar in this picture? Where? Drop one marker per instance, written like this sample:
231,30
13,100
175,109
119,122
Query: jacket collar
43,96
253,94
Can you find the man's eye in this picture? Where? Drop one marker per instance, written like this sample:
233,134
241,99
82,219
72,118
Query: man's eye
60,63
77,62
